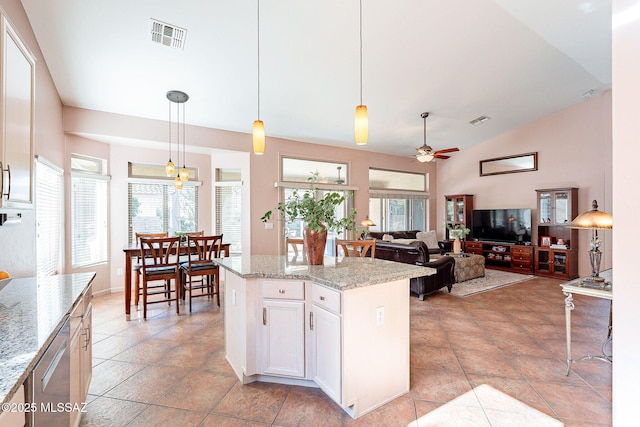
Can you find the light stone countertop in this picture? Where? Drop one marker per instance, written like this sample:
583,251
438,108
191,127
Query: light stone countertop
338,273
32,310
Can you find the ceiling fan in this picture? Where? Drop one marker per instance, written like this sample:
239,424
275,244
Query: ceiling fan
425,152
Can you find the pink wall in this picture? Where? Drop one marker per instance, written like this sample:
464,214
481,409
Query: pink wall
626,202
48,142
574,150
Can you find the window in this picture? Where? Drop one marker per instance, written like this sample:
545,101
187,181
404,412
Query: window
332,177
49,219
397,200
155,206
88,211
229,207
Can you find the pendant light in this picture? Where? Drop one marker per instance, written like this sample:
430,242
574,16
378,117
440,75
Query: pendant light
184,172
170,168
362,115
258,125
179,98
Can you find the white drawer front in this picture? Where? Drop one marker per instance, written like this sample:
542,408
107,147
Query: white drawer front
283,289
325,297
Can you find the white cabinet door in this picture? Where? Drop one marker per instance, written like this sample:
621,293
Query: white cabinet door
16,124
327,352
87,353
283,338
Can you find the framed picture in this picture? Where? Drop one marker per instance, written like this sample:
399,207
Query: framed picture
545,241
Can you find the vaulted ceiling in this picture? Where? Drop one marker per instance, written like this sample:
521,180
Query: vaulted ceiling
513,61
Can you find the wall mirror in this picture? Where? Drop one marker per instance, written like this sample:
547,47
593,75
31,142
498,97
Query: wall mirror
509,164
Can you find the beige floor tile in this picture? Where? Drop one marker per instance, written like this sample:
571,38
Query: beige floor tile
511,339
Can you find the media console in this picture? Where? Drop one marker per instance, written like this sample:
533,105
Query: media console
503,256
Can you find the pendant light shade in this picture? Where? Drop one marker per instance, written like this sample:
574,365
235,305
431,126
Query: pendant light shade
184,174
170,168
362,125
177,183
258,137
362,115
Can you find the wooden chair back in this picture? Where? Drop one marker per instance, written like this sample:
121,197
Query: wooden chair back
294,242
158,251
356,248
204,249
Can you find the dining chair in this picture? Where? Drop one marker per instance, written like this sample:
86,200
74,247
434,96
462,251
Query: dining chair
294,242
357,248
203,250
138,264
159,263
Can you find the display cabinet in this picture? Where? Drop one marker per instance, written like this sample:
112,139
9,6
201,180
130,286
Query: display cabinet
458,211
557,263
557,249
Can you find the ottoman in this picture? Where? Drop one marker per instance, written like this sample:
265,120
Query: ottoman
468,266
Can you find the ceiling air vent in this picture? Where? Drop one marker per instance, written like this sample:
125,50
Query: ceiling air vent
168,35
479,120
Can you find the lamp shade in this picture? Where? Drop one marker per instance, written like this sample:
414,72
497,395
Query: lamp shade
177,183
184,174
362,125
367,223
258,137
170,168
593,219
424,158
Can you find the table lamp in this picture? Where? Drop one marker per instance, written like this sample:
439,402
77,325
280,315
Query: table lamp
593,220
366,223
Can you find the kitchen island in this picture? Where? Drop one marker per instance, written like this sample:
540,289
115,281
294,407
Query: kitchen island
342,326
33,313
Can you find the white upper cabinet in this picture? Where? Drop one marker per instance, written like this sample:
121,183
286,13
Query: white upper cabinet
16,121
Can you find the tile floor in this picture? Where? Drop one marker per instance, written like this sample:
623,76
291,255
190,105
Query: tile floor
170,370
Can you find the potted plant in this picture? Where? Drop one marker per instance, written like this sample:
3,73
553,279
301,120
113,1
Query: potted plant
319,215
457,232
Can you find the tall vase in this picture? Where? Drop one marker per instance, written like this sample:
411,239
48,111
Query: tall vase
314,244
457,245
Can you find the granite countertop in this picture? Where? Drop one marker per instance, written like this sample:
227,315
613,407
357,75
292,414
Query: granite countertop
32,310
338,273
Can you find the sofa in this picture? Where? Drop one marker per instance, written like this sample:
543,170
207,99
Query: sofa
417,253
384,237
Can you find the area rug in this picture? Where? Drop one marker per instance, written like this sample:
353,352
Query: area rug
492,279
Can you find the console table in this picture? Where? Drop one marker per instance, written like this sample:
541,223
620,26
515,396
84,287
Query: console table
592,289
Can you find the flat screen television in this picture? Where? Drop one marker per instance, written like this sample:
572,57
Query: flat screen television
501,225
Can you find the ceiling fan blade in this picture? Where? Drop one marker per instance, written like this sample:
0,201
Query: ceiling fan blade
447,150
440,156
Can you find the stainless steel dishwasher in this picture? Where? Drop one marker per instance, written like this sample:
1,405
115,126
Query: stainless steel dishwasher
50,382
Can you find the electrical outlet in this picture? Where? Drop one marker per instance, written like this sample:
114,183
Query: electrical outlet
379,315
268,226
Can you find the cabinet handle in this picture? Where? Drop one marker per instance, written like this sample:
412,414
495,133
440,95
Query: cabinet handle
311,320
321,298
8,193
281,291
264,316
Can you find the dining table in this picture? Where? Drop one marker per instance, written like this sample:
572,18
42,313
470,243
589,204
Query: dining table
134,251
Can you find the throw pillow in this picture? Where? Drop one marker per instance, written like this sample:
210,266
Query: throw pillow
387,238
429,238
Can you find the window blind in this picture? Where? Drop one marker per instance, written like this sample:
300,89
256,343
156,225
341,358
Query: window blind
88,220
49,214
159,207
228,215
